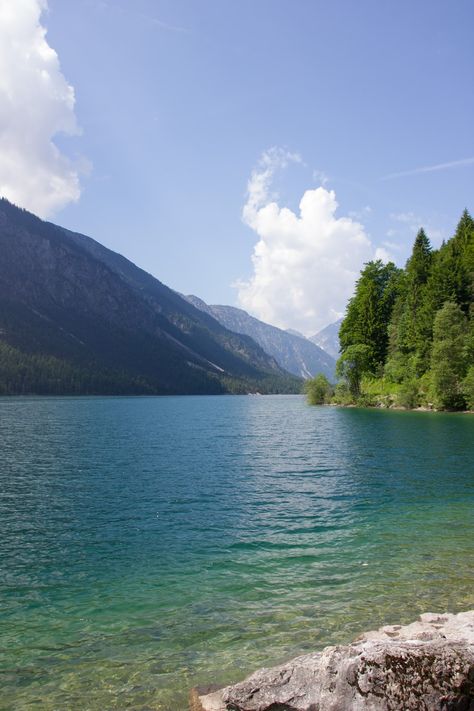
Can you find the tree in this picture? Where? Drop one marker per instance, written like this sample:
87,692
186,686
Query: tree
462,248
448,361
413,325
468,388
416,326
318,390
452,274
353,364
368,312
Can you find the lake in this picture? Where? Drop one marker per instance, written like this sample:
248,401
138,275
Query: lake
151,544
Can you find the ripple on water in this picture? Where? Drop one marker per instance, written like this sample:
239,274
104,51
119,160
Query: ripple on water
149,544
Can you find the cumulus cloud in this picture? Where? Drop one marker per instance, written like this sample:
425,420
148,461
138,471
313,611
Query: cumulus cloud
305,263
36,104
258,187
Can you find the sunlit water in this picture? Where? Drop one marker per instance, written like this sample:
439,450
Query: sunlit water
151,544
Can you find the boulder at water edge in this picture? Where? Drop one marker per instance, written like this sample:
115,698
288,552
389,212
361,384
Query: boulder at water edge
425,666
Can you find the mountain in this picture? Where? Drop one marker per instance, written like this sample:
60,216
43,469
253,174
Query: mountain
76,317
295,354
293,332
328,339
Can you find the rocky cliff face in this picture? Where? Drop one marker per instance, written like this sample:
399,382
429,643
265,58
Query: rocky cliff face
425,666
291,351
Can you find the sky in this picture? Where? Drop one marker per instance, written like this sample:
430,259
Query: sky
252,152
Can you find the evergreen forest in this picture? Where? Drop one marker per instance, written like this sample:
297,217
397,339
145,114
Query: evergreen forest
407,338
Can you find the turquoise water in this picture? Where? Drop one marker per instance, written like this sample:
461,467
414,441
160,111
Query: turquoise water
150,544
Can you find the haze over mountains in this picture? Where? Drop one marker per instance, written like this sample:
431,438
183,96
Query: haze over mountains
76,317
290,349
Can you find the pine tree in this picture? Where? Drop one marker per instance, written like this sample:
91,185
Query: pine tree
463,253
369,310
448,362
452,276
413,328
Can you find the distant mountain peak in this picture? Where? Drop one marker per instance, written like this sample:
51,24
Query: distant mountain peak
328,339
292,351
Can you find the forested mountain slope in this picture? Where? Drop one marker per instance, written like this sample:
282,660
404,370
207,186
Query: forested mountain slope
77,317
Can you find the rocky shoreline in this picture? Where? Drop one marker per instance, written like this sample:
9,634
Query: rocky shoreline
401,408
425,666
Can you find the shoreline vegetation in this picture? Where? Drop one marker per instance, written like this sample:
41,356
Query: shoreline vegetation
407,338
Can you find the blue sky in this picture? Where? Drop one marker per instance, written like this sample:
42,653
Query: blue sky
177,101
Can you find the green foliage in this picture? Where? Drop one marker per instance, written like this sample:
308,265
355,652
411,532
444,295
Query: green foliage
408,335
353,363
342,394
409,395
369,310
318,390
396,367
413,322
448,363
468,388
366,400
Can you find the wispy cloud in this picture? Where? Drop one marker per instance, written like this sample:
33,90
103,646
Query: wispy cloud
259,184
361,214
319,176
146,18
160,24
431,168
412,222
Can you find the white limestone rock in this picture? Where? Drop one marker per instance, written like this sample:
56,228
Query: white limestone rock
425,666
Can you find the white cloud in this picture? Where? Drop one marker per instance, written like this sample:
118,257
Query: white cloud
306,263
36,104
392,246
383,254
259,184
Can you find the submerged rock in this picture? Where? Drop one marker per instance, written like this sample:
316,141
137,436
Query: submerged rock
425,666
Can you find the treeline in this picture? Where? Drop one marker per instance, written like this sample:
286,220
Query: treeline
24,373
30,373
407,338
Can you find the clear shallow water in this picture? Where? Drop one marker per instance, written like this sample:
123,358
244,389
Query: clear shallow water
150,544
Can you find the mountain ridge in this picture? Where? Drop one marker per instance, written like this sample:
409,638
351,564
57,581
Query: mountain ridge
67,297
293,352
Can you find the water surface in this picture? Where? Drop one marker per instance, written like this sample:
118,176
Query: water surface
150,544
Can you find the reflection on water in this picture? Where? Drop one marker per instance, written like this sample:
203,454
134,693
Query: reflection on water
149,544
